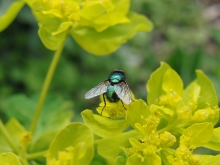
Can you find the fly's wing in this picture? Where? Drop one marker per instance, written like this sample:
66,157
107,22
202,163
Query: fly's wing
97,90
123,92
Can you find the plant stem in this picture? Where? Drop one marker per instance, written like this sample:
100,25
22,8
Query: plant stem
8,138
36,155
45,87
24,161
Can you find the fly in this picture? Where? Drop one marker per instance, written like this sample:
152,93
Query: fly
115,88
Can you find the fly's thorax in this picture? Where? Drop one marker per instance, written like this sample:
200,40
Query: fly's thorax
116,77
111,95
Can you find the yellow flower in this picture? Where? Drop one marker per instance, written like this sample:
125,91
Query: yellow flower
25,138
167,139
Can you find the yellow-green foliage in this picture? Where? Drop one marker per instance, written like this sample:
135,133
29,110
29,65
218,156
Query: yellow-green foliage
168,129
98,26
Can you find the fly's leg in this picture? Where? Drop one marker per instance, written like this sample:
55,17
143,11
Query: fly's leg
123,105
104,102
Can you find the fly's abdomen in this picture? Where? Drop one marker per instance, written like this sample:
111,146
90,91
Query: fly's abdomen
111,95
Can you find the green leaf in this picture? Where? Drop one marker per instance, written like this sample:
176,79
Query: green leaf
121,7
171,80
92,12
103,126
9,10
110,148
55,114
153,159
109,40
120,160
154,84
15,129
214,143
207,93
164,153
52,27
199,133
193,89
50,41
136,144
138,112
209,159
76,142
100,16
43,142
21,108
9,159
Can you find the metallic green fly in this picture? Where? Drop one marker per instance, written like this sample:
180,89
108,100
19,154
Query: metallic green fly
115,88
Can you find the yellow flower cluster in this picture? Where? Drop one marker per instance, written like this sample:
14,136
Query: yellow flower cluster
64,157
63,9
184,153
151,141
171,98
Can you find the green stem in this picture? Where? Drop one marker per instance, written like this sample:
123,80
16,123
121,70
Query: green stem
24,161
45,87
8,138
36,155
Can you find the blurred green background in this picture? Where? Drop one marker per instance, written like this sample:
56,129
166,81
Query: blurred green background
186,36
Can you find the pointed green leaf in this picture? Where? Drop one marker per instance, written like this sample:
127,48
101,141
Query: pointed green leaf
199,133
139,128
9,159
103,126
9,10
138,112
209,159
72,144
214,143
15,129
110,148
207,93
109,40
154,84
172,81
192,90
136,144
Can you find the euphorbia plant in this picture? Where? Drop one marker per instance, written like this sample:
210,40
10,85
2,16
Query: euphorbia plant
167,130
99,27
